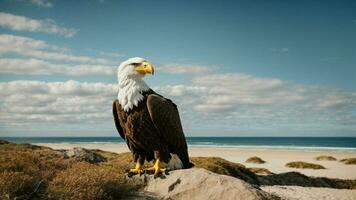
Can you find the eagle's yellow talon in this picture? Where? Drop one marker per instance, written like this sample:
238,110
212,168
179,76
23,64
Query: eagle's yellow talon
138,169
156,168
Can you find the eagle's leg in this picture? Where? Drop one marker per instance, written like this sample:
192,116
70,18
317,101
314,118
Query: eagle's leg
157,169
138,168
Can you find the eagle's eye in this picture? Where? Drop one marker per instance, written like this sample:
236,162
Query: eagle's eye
136,64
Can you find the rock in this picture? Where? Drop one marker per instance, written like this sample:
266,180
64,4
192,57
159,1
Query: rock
82,154
4,142
198,183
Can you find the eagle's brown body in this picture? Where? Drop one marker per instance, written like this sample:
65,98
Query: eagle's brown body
152,129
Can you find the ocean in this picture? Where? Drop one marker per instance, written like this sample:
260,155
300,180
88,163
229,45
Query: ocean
282,143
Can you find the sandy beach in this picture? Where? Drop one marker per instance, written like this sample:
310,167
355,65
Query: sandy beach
275,159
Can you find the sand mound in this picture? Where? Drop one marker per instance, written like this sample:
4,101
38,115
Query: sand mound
349,161
255,160
325,158
304,165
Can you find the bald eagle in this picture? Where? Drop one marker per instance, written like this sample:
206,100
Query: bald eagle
147,121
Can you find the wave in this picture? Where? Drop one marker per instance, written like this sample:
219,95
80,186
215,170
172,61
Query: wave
86,142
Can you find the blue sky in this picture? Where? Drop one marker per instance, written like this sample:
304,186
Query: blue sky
235,68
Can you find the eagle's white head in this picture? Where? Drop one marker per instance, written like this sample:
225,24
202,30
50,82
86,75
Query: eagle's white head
131,85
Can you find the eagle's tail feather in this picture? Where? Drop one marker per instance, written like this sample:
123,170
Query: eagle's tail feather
185,160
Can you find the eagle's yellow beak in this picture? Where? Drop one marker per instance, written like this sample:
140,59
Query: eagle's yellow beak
145,68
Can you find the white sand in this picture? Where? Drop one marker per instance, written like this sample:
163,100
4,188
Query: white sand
275,159
310,193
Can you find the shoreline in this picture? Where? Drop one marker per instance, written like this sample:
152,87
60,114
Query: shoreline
275,159
226,147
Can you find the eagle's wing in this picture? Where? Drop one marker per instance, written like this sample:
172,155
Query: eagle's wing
165,117
116,112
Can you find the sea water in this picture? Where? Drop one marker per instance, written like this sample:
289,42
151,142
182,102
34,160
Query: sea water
282,143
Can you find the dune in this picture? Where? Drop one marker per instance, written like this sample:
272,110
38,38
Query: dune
255,160
349,161
304,165
325,158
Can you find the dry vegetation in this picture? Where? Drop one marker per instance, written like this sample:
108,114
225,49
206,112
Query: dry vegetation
89,181
30,171
304,165
34,172
222,166
25,170
255,160
349,161
325,158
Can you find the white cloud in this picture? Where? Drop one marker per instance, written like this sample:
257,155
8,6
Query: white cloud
233,100
41,67
59,102
240,98
22,23
29,47
185,69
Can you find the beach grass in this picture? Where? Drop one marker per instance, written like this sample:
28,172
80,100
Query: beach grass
304,165
255,160
221,166
349,161
90,181
325,158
